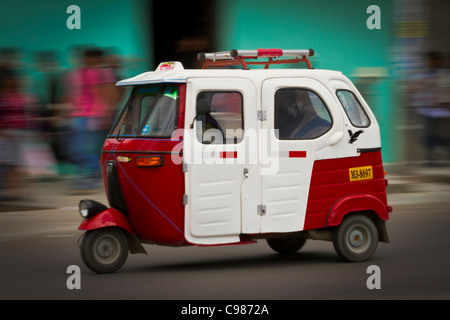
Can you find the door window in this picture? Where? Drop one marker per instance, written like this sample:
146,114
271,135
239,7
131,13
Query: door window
300,114
219,117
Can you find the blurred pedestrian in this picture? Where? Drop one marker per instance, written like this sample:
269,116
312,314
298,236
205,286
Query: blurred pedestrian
13,125
444,103
114,94
91,116
426,98
47,86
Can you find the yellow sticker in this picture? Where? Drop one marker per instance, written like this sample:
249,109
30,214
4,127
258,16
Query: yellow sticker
123,159
360,173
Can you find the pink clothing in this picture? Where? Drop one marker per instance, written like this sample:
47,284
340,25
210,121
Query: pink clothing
86,95
12,112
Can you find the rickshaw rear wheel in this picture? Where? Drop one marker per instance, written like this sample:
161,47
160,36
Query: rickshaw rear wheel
356,239
286,245
104,250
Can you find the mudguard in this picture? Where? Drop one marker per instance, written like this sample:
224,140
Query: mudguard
107,218
113,218
356,203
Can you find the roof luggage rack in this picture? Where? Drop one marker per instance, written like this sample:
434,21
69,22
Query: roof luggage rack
238,57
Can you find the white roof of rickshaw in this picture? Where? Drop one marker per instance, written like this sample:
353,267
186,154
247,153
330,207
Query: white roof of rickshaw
174,72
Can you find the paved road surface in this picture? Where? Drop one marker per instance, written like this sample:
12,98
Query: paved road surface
37,246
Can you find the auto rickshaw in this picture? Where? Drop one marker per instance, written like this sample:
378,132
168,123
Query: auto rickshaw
229,154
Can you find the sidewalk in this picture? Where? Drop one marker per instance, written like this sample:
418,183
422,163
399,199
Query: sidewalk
405,181
51,193
404,177
417,185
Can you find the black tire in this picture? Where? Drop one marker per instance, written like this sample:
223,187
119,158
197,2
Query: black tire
356,239
286,245
104,250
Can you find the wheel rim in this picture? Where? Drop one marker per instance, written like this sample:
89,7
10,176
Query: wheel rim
358,238
106,249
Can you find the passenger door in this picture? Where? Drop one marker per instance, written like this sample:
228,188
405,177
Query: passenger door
217,168
293,108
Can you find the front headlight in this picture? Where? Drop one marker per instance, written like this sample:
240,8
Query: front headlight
89,208
83,208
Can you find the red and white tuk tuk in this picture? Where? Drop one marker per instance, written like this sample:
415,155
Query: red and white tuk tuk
232,155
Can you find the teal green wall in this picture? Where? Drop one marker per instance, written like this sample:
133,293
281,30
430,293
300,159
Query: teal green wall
41,25
336,30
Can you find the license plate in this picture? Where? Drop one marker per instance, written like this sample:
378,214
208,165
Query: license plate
361,173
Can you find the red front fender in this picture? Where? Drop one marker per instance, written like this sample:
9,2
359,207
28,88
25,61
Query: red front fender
107,218
354,203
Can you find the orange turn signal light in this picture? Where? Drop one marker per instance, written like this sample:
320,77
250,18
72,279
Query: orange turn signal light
153,161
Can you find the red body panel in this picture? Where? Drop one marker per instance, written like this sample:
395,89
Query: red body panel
332,194
153,195
108,218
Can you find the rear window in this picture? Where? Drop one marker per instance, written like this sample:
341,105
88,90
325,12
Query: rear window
353,109
150,111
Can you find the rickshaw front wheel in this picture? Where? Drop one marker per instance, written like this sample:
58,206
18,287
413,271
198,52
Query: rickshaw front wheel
104,250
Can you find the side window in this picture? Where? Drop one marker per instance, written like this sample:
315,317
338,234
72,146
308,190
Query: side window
300,114
219,117
353,109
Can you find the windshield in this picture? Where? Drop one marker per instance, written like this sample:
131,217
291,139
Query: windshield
150,111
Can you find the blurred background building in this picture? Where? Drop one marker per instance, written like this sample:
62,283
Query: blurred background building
135,35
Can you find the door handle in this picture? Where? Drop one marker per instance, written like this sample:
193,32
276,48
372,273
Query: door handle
246,172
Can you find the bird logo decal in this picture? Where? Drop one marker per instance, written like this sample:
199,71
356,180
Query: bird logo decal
354,136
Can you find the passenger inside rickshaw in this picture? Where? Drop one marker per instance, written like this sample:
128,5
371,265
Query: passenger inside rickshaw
300,114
